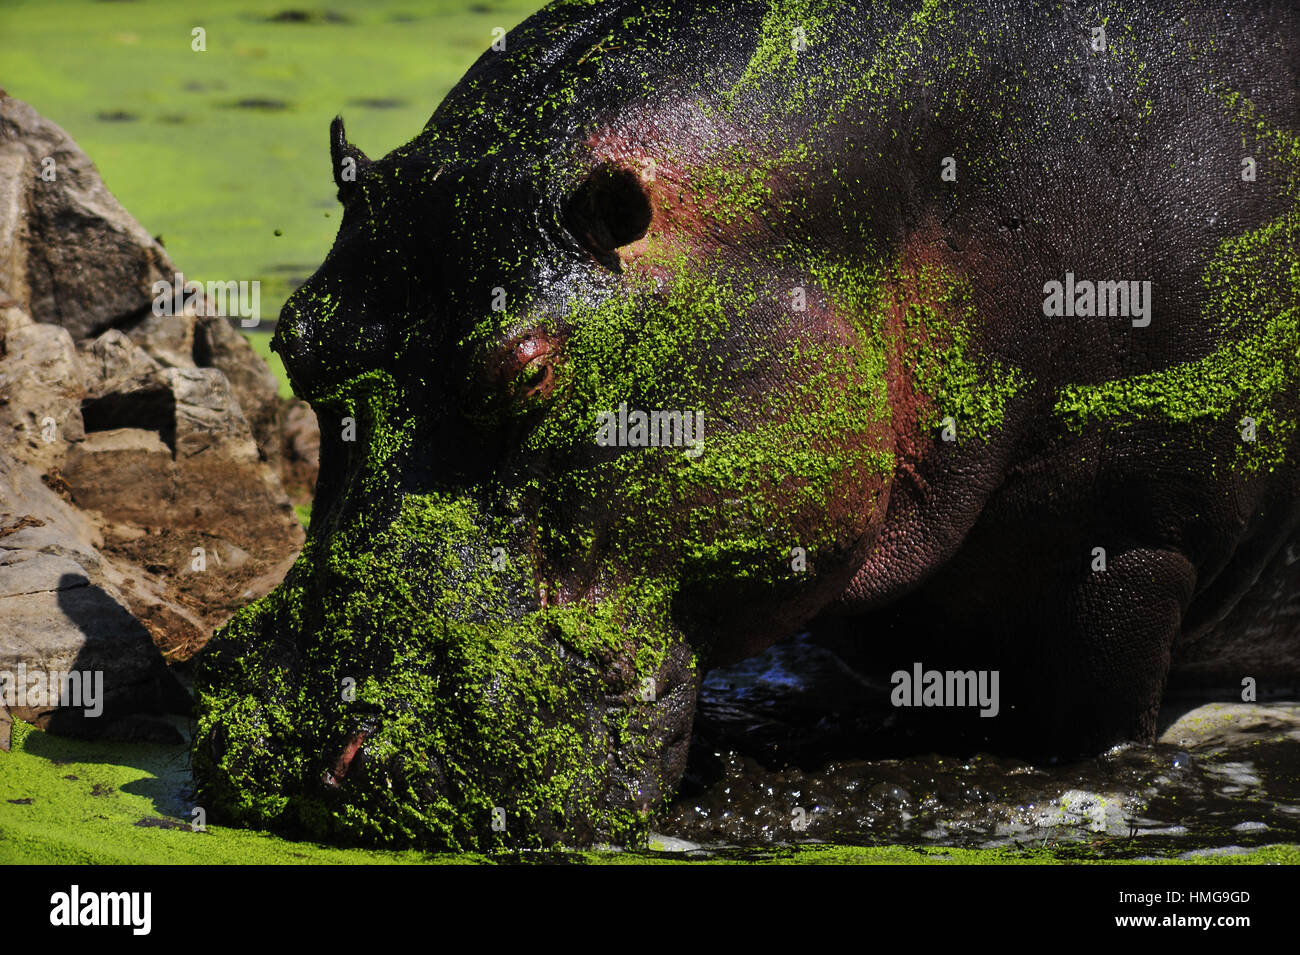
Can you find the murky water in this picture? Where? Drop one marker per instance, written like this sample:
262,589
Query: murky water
771,765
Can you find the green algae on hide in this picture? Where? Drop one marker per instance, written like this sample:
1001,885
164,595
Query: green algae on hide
940,328
789,27
1253,376
769,454
1252,281
459,698
469,709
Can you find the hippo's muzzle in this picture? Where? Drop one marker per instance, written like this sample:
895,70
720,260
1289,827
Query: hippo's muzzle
405,685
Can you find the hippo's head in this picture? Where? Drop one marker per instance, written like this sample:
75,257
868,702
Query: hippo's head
603,398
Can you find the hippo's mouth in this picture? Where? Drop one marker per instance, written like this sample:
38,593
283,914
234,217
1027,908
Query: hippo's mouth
333,777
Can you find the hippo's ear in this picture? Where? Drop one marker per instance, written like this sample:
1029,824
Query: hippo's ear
609,210
348,161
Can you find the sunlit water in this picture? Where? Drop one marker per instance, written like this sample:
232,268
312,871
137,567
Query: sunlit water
772,764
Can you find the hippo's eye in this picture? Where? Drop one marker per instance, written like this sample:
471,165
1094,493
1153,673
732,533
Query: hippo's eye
521,370
609,210
535,379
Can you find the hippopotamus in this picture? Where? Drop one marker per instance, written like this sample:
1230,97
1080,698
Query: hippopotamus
968,330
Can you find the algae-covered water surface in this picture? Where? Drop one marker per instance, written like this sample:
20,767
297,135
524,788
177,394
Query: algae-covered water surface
223,152
73,802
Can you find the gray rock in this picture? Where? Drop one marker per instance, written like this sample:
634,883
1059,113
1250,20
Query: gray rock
181,456
62,611
69,253
114,363
157,433
167,339
71,256
197,341
1219,851
662,843
217,345
41,387
1215,725
208,413
1091,811
32,572
300,464
302,436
